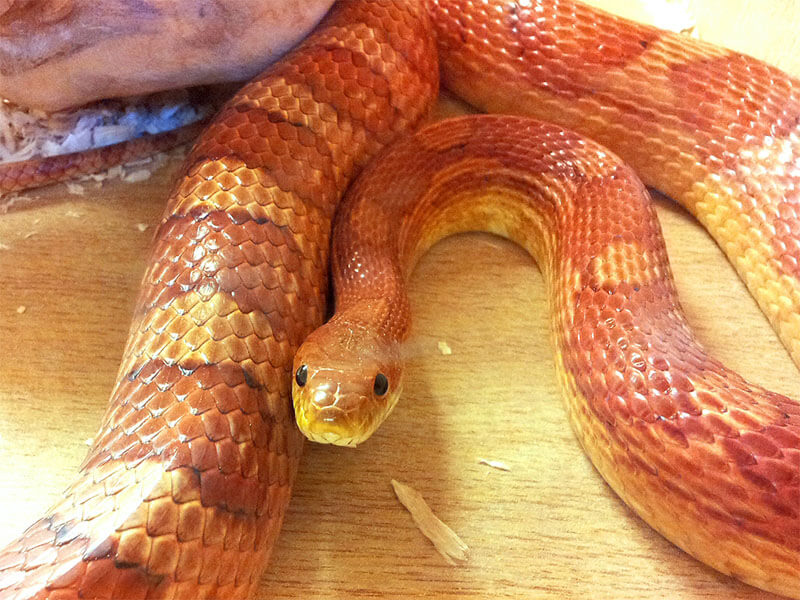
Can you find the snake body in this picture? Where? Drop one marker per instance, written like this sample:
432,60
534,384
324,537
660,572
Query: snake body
669,428
184,489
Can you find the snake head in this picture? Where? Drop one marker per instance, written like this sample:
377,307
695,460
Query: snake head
347,379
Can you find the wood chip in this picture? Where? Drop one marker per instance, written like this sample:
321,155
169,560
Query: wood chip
449,545
495,464
21,309
444,348
142,226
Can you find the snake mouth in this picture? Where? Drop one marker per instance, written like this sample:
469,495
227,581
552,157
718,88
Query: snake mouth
332,438
328,426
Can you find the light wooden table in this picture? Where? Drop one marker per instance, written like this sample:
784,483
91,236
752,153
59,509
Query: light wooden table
549,528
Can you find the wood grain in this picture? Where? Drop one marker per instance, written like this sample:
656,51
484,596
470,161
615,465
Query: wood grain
548,528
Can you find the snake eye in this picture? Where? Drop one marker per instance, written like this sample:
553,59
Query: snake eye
301,377
381,385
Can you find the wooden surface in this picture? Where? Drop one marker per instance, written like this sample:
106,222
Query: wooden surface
549,528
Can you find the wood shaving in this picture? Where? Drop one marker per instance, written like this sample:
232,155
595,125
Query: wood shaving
21,309
444,348
142,227
137,176
88,441
495,464
4,246
449,545
73,213
76,189
9,201
29,235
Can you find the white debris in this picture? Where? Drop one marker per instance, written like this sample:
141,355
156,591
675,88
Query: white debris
449,545
495,464
76,189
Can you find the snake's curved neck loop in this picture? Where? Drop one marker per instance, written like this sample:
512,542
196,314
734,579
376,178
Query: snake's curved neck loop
661,420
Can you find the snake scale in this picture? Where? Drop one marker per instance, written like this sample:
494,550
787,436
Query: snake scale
184,489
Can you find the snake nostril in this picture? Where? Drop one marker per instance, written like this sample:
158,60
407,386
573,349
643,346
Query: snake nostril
301,377
381,385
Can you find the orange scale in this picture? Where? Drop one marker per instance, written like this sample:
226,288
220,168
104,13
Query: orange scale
695,430
781,474
66,578
209,571
754,474
744,419
176,456
616,408
738,453
640,408
149,429
191,523
671,431
214,489
785,438
279,438
216,428
258,432
132,421
641,465
228,456
759,444
227,574
718,426
162,517
598,363
189,562
662,404
167,447
233,538
101,579
660,381
247,543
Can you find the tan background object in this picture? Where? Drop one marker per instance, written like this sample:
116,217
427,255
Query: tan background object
60,53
